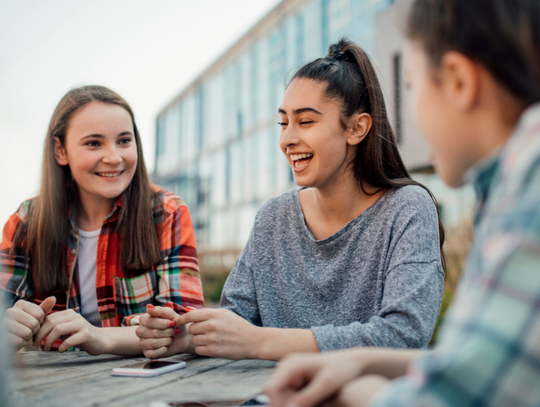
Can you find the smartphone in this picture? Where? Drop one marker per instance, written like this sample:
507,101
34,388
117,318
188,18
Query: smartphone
148,369
260,400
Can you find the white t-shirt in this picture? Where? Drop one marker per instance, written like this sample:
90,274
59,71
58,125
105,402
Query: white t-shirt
86,267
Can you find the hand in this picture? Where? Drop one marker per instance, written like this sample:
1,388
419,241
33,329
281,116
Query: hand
221,333
74,330
360,392
156,336
306,380
24,319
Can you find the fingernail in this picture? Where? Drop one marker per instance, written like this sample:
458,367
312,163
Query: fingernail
150,306
171,324
177,331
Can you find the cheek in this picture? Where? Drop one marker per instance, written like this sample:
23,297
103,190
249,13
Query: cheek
82,161
131,158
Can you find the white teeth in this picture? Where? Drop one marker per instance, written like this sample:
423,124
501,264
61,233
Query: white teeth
109,175
296,157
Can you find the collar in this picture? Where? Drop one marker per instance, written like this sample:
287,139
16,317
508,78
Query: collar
482,174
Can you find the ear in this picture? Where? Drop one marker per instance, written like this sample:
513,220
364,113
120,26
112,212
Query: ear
461,80
361,125
60,152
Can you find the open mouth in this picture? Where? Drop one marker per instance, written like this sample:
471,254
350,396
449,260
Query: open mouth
301,161
109,174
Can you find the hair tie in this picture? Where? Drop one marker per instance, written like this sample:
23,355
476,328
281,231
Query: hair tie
338,55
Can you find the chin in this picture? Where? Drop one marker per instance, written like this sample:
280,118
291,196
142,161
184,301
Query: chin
452,179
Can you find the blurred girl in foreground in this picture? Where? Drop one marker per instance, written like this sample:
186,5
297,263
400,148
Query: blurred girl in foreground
350,259
475,78
98,243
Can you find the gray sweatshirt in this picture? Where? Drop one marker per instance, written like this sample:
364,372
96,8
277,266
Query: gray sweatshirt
376,282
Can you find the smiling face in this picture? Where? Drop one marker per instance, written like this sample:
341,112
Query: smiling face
101,151
312,138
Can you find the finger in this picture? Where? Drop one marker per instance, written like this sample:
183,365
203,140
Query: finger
34,310
161,312
16,341
199,328
154,322
201,340
18,329
144,332
65,328
48,304
322,387
203,351
155,353
193,316
291,375
72,341
18,316
50,322
155,343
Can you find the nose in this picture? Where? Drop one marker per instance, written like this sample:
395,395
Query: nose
112,156
288,137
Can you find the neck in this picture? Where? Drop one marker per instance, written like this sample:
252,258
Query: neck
496,119
343,201
91,212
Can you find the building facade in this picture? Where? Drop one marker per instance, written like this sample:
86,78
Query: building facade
217,141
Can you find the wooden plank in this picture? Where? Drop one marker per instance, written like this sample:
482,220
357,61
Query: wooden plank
242,379
85,380
46,368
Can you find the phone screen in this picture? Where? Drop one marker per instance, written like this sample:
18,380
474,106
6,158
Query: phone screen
153,364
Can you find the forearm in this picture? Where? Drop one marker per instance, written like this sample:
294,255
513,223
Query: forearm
360,392
275,343
389,363
120,341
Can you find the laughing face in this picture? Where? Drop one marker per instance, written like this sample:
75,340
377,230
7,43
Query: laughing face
312,137
100,150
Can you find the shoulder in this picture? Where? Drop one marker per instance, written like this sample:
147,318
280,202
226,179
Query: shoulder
167,201
24,209
16,220
278,206
410,199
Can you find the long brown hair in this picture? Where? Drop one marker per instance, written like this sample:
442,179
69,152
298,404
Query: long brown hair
351,80
44,234
502,35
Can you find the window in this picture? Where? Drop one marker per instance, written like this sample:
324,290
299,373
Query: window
397,96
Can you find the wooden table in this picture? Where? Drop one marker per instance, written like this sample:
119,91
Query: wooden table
78,379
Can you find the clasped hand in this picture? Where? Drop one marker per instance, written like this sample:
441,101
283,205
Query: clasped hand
206,332
26,321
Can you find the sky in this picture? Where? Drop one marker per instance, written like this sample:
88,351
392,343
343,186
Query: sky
146,51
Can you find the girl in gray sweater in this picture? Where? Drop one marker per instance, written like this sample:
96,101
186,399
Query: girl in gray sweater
352,258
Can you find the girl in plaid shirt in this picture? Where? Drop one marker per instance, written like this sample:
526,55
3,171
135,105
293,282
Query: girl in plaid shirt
99,243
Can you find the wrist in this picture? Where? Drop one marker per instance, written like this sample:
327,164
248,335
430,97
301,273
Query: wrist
256,346
105,341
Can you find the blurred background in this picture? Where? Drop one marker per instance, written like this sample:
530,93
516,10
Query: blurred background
205,80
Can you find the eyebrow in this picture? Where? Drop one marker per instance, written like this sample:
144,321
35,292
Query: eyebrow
302,110
124,133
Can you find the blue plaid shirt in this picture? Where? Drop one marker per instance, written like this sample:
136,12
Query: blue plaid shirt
489,346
